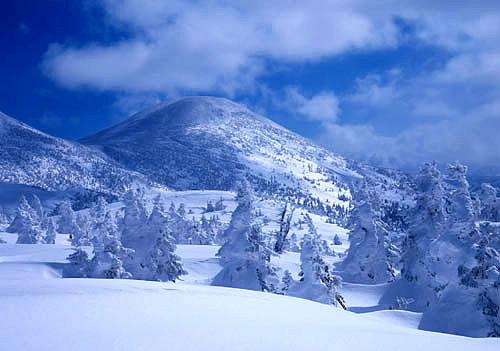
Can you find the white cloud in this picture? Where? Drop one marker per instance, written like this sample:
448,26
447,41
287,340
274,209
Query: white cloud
446,111
322,107
216,45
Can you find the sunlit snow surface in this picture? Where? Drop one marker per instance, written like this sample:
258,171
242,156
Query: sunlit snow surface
42,311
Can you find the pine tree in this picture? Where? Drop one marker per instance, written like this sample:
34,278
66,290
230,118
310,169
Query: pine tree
50,234
36,205
244,256
67,222
78,266
286,281
427,224
489,203
134,220
24,213
317,281
27,224
109,252
371,258
161,263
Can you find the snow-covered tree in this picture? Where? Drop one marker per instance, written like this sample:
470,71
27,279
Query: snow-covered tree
461,211
50,233
181,226
489,203
473,301
244,257
82,237
109,252
371,257
27,224
286,281
428,223
78,266
36,205
161,263
134,221
24,212
67,222
317,281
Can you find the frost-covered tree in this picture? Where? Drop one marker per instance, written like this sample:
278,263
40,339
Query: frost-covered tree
24,212
489,203
82,237
428,223
244,257
27,224
461,211
317,281
286,281
36,205
109,252
161,263
67,221
371,257
181,226
50,233
134,221
473,301
78,266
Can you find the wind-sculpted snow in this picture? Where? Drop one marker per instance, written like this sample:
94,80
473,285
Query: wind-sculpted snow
207,143
30,157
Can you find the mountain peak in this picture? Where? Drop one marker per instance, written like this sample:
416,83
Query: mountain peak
191,110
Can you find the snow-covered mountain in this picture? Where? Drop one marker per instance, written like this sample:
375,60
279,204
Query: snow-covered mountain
31,157
206,142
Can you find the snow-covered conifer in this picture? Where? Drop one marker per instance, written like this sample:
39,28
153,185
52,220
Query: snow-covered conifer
371,258
78,266
317,281
134,222
27,224
67,221
109,252
50,233
489,203
161,263
244,256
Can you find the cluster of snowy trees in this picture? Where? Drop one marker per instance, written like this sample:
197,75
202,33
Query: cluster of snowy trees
448,266
371,257
139,245
32,223
246,258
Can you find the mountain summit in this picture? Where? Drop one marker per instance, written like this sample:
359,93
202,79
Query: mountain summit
206,142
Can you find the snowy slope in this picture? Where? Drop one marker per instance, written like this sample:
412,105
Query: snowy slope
206,142
30,157
86,314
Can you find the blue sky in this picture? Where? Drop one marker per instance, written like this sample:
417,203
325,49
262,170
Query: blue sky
391,82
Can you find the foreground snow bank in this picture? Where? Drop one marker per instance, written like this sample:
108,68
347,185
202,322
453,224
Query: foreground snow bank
87,314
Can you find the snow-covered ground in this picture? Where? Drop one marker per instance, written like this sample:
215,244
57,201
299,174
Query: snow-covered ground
42,311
